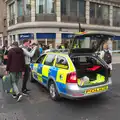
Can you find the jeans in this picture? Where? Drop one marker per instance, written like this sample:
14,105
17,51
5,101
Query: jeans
15,77
26,77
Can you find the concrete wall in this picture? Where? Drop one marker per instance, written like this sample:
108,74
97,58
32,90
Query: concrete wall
3,22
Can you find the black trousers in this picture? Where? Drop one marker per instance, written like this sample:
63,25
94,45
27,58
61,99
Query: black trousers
26,77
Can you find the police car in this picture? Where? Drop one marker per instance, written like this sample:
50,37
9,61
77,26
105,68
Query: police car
78,73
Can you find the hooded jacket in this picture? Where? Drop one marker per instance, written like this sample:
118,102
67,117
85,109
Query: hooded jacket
16,60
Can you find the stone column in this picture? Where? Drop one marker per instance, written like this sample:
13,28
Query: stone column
87,12
16,11
58,10
33,10
111,15
58,39
8,18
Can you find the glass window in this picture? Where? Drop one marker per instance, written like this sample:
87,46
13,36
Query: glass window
27,7
63,7
99,11
40,6
92,10
50,6
61,62
11,11
45,6
41,58
116,13
49,60
73,7
24,7
82,8
20,7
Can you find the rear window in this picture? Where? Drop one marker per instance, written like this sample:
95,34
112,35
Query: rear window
61,62
49,60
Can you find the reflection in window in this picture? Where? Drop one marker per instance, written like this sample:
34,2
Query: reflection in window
20,7
24,10
63,7
82,8
45,6
99,11
73,7
11,11
116,13
27,7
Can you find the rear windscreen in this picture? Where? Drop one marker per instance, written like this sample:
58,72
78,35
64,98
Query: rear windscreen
90,41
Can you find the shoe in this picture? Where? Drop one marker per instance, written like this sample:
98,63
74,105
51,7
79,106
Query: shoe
19,97
14,96
25,93
28,90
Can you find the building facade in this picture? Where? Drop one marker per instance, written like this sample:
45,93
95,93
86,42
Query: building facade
54,21
3,23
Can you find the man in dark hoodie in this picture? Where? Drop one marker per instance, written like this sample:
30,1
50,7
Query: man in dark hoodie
15,67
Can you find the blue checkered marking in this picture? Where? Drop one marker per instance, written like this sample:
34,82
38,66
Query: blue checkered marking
61,87
31,66
45,79
39,69
53,72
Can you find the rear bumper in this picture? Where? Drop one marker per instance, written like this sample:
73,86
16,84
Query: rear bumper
74,91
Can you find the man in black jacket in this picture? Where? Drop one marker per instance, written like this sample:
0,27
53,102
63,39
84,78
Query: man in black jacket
15,67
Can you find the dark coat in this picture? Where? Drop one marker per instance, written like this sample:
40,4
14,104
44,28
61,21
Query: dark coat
16,60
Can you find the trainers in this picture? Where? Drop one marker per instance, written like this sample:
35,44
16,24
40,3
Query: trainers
25,93
19,97
14,96
28,90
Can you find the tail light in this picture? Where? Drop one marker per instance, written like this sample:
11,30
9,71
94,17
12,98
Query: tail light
72,77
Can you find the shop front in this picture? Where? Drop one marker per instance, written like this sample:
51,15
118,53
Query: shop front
46,38
25,36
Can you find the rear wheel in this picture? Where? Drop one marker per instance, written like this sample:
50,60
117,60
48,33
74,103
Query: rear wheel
53,91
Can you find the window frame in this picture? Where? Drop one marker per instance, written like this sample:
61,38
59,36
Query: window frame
66,62
42,60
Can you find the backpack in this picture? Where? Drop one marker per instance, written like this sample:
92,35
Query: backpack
107,57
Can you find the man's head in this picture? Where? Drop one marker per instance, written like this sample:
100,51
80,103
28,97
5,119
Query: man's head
26,43
105,46
15,44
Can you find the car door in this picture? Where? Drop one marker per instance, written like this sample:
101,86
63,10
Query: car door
40,67
37,68
48,63
63,69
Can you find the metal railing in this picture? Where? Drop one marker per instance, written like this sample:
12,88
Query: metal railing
100,21
25,18
73,19
45,17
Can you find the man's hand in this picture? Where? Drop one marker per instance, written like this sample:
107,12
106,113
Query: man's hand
23,73
6,73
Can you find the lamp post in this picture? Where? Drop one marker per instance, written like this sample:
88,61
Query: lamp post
80,28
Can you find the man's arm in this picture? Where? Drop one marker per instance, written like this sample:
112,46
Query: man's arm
29,54
9,61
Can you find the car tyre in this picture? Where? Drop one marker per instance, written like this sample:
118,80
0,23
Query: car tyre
53,91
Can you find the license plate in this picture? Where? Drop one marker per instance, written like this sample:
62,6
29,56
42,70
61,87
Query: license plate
95,90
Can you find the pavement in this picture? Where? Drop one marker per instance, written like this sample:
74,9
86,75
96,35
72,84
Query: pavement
39,106
116,58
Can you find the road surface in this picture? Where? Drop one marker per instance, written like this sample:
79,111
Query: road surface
39,106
